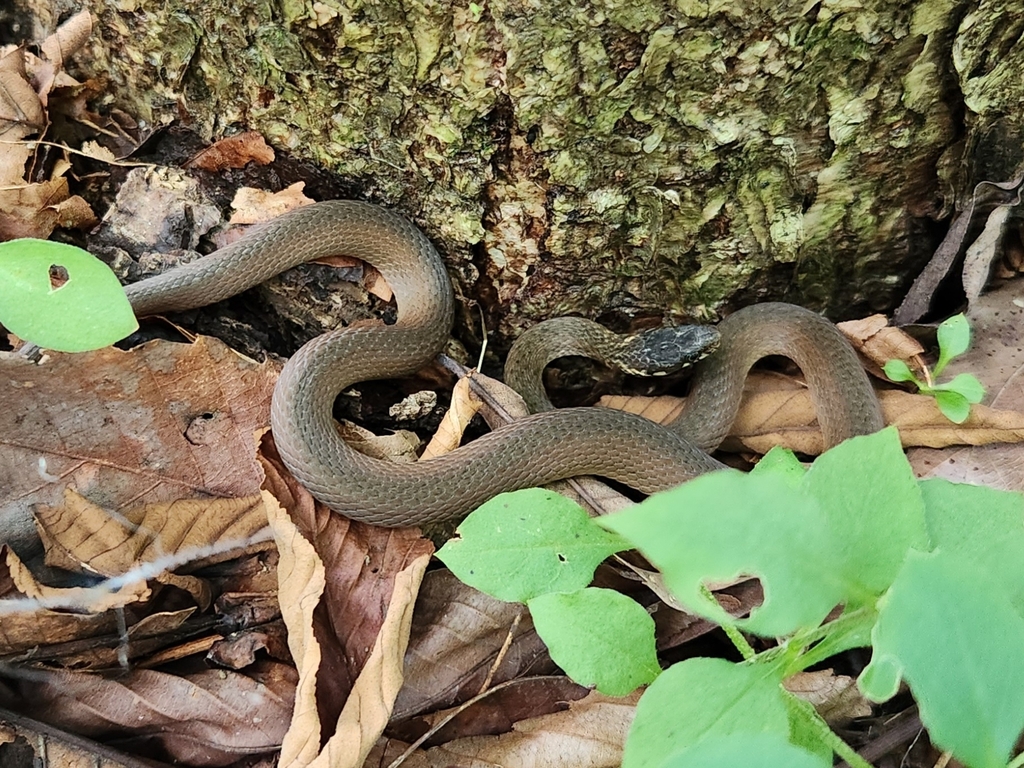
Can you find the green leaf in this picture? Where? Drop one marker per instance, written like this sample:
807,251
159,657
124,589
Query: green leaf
725,524
762,750
703,699
599,637
954,336
897,370
953,405
982,525
528,543
967,385
782,463
872,505
951,630
89,311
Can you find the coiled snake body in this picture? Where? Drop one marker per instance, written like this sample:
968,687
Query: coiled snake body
533,451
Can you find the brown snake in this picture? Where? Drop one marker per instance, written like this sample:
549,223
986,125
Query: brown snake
533,451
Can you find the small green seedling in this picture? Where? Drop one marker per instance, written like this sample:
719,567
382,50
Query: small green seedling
927,573
955,397
61,297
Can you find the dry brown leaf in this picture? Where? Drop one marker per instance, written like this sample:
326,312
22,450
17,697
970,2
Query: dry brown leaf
491,713
25,624
301,579
457,634
660,410
449,433
363,565
879,342
368,708
81,536
234,152
921,424
123,428
373,280
75,213
21,111
835,697
779,411
69,37
985,252
97,152
400,445
212,718
591,732
55,747
255,206
31,210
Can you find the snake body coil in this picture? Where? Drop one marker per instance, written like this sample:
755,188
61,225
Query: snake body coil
533,451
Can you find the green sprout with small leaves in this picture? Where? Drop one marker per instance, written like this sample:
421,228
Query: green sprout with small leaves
954,397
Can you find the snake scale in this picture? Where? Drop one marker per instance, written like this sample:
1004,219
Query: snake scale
539,449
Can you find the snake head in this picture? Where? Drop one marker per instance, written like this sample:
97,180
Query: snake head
661,351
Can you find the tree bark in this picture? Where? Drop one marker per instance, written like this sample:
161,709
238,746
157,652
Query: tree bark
618,159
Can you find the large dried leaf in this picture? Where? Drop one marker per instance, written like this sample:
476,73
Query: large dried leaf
360,622
368,708
234,152
494,712
779,411
21,111
457,634
210,718
32,210
79,535
160,423
591,732
25,624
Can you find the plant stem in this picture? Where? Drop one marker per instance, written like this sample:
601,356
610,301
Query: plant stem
745,649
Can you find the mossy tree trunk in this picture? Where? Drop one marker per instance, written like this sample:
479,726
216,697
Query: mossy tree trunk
615,158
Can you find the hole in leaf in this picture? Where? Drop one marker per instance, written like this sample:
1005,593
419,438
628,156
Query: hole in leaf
58,276
561,557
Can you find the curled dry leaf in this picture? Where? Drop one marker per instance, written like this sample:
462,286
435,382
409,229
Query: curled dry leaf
24,622
26,80
985,252
400,445
210,718
81,536
365,568
879,342
21,111
255,206
69,37
113,425
835,697
449,434
233,152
